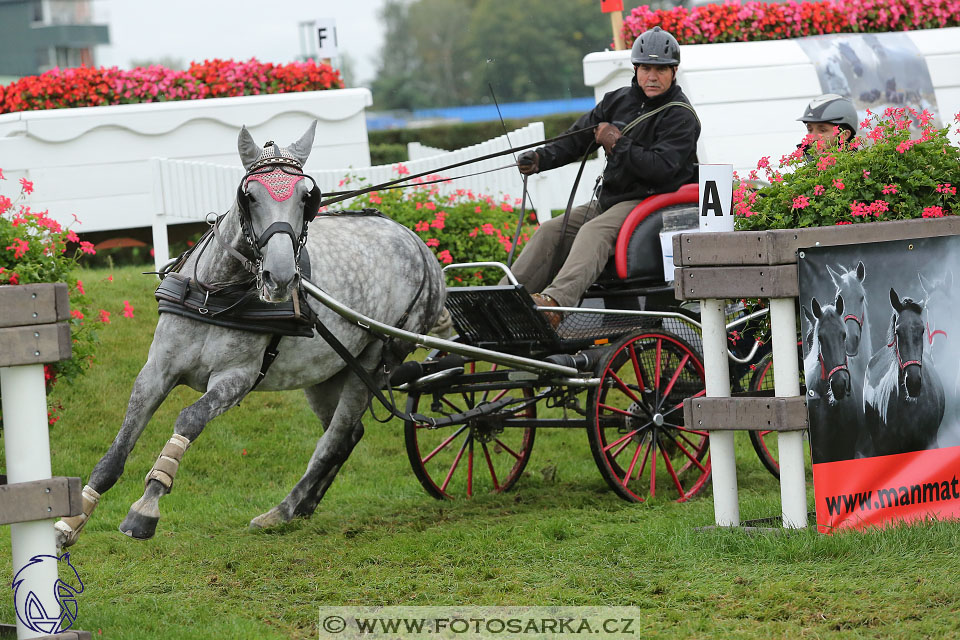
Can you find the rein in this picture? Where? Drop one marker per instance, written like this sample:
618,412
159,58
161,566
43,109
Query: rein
932,334
346,195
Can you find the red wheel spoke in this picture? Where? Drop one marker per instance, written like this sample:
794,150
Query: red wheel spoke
470,470
643,464
619,440
764,434
443,444
616,410
623,387
637,369
493,474
688,454
620,449
453,467
656,371
673,474
676,374
653,465
688,441
626,476
506,448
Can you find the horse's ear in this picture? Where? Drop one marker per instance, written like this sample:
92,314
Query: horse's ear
807,315
302,147
861,271
249,151
895,301
834,276
817,311
840,304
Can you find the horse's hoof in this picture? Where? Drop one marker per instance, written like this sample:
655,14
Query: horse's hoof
269,519
136,525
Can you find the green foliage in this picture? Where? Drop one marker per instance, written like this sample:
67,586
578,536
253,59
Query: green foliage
461,227
896,177
463,134
35,248
442,53
387,153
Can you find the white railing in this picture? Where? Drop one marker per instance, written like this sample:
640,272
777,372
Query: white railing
188,190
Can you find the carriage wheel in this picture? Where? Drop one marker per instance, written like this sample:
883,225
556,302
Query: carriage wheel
463,460
636,429
765,441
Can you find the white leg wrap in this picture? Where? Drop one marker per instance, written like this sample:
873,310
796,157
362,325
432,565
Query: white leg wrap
69,528
165,468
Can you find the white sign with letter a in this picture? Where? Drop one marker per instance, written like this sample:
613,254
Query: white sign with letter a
716,197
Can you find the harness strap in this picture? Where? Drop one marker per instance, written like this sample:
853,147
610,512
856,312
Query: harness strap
857,319
896,349
269,356
236,255
823,367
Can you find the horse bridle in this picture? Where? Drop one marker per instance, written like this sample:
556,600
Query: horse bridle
896,349
824,375
269,162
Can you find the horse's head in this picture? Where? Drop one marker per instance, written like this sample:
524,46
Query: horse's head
831,335
907,341
276,201
849,283
940,308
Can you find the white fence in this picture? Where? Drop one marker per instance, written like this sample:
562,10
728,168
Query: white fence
187,190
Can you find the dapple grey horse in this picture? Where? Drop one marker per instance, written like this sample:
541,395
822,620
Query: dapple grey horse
370,263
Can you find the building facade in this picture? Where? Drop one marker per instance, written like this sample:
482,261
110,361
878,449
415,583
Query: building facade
37,35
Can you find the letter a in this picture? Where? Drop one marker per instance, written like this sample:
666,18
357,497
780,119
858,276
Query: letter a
711,199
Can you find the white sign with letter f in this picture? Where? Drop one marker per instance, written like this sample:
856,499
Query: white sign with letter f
716,197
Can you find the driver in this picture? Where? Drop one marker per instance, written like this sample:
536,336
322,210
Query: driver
830,118
649,133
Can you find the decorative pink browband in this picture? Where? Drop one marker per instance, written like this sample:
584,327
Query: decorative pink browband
279,183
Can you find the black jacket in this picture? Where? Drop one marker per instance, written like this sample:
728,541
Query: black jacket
656,156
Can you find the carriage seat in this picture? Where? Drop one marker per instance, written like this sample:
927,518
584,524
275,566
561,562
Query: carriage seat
637,255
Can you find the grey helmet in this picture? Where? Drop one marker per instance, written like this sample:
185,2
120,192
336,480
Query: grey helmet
832,108
657,47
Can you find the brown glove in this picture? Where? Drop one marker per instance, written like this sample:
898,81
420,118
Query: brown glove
607,135
528,162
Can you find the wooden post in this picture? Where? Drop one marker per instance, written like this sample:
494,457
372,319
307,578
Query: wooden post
616,23
33,332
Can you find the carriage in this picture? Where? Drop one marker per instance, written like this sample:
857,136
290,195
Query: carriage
631,352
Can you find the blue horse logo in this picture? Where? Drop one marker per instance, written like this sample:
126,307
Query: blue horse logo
46,608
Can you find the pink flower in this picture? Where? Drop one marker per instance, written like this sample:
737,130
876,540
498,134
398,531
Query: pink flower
80,288
76,313
1,175
843,222
763,162
430,206
127,309
478,209
104,316
506,207
487,229
419,206
445,257
422,225
110,278
433,242
889,189
946,188
87,247
19,247
818,190
6,204
375,199
825,162
932,212
865,173
838,183
801,202
473,234
26,185
72,237
437,223
401,169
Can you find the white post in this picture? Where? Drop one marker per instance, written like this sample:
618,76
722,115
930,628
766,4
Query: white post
793,486
726,506
161,245
26,439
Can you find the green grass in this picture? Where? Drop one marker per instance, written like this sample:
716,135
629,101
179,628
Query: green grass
378,539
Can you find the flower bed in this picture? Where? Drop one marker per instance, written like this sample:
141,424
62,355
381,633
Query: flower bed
461,227
736,22
91,87
886,174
